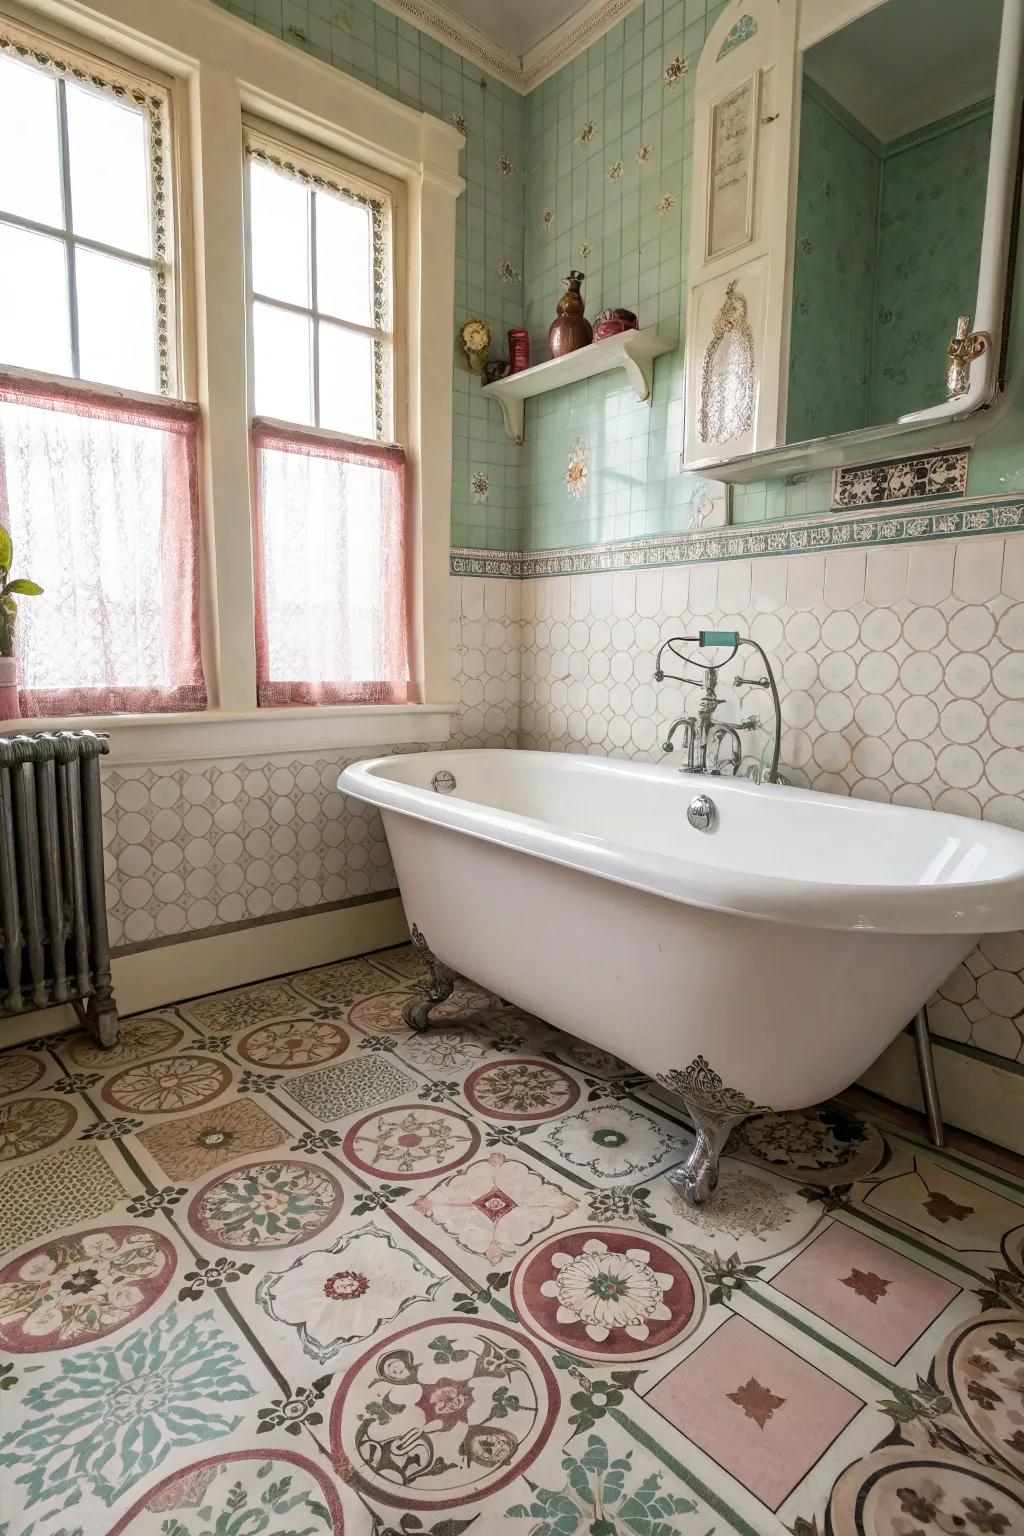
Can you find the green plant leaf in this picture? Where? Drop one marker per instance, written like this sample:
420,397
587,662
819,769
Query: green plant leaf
6,549
24,587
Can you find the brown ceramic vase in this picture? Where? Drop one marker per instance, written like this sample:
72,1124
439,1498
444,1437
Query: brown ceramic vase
571,330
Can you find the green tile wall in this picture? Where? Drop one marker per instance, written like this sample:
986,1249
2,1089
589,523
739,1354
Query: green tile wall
365,40
636,227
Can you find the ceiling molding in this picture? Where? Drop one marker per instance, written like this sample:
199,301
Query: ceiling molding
520,71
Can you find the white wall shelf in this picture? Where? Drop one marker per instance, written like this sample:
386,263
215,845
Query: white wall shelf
633,351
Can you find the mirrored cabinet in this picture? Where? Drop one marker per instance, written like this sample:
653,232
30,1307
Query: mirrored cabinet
855,165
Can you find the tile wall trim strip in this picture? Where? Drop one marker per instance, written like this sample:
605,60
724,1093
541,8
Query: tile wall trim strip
812,535
218,930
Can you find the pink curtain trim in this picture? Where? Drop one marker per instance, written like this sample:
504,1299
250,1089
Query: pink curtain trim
274,694
178,421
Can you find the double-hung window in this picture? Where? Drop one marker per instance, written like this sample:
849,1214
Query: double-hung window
98,452
330,528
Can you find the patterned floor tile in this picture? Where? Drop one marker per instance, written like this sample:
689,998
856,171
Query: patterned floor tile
277,1263
866,1290
760,1411
193,1145
335,1092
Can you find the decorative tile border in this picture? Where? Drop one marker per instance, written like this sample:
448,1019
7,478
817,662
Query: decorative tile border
921,477
791,538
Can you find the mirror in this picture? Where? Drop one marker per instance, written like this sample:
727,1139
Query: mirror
895,128
853,185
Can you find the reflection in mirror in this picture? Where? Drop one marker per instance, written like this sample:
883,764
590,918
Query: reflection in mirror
895,126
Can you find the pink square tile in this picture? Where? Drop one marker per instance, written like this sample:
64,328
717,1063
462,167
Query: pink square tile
867,1291
760,1411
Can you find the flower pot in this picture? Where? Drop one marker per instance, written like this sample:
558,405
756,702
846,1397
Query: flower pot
9,707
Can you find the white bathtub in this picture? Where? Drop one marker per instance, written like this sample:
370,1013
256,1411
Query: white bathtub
764,964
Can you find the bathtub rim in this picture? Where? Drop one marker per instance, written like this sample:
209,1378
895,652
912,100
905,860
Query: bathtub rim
963,908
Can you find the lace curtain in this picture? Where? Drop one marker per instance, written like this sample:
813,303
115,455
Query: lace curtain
331,602
100,494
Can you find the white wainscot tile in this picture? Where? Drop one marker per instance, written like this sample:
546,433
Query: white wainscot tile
768,584
887,574
930,572
675,590
978,569
648,593
805,584
1013,565
703,589
844,578
734,585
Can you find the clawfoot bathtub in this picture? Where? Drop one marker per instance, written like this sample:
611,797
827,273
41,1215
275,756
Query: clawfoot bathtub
760,964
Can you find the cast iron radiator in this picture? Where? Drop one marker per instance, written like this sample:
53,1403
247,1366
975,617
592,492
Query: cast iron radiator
53,919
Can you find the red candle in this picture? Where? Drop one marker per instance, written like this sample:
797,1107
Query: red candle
518,350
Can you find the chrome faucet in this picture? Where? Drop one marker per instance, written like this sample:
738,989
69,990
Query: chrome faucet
703,736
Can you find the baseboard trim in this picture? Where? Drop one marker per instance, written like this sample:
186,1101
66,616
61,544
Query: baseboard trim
156,978
977,1095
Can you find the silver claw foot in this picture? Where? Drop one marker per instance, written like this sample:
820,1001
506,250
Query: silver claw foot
715,1110
697,1179
417,1011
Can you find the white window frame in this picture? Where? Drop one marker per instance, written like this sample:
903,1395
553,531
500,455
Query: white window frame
221,70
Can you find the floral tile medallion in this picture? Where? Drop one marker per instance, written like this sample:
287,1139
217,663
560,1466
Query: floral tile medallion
817,1146
294,1043
442,1050
443,1414
520,1089
146,1036
189,1147
868,1291
29,1125
586,1057
73,1185
337,1296
496,1206
760,1411
382,1014
613,1144
605,1294
266,1205
757,1214
115,1410
411,1141
980,1367
75,1290
338,986
242,1493
334,1092
226,1011
909,1492
18,1071
166,1086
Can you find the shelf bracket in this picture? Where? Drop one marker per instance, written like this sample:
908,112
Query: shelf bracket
640,373
514,411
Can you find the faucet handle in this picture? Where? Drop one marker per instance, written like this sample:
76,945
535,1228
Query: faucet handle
749,723
751,682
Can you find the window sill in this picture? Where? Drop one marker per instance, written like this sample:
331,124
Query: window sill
144,739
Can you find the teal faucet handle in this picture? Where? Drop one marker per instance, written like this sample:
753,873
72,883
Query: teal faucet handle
718,637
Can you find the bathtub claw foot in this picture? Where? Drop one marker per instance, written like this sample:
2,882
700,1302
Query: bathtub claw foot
417,1011
697,1179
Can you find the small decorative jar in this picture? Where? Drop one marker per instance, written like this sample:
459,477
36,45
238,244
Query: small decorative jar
612,322
518,350
571,330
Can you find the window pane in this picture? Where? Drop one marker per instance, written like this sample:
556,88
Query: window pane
33,302
116,321
109,171
344,259
283,367
30,152
346,382
279,225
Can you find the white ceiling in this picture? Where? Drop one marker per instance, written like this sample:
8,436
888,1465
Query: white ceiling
517,25
910,62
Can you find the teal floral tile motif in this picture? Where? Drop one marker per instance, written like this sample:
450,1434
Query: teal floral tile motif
113,1412
335,1092
742,32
